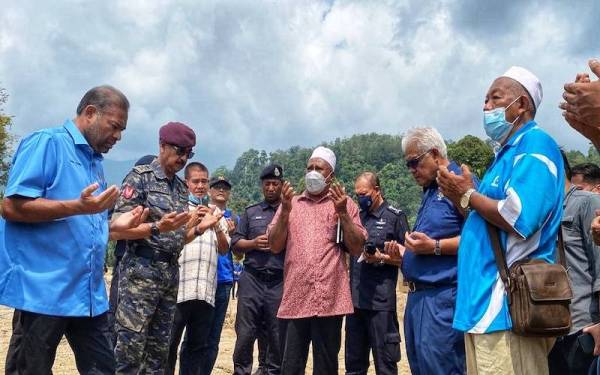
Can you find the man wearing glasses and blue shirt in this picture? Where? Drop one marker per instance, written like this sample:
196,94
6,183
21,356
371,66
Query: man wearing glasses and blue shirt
429,262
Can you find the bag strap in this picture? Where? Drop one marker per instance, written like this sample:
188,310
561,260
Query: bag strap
498,255
562,260
501,258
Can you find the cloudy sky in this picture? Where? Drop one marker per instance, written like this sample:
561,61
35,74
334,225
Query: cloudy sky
272,74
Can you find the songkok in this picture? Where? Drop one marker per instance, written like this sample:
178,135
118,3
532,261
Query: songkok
325,154
177,134
529,81
273,171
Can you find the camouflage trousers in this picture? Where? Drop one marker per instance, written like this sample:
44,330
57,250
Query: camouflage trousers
144,316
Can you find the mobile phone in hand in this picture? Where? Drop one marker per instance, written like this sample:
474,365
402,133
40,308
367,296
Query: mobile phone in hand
586,341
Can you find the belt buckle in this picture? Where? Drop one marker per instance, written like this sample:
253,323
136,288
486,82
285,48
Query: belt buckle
412,287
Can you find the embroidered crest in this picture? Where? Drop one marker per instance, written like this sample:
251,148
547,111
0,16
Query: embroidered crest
276,172
127,191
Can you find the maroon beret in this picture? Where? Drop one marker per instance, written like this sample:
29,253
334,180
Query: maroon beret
178,134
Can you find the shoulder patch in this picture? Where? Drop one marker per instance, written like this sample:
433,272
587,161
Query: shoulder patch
145,168
128,191
394,210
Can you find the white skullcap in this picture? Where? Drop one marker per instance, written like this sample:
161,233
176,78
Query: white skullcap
529,81
325,154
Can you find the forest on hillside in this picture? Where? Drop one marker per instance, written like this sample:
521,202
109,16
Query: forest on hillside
380,153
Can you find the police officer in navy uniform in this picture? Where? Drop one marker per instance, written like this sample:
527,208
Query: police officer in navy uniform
373,278
261,283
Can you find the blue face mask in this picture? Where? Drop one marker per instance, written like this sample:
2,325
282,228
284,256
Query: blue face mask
194,199
365,202
495,125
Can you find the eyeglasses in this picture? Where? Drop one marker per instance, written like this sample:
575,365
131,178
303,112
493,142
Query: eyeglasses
414,162
181,151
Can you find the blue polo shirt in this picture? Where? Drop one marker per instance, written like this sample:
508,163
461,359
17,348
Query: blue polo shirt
527,178
55,267
438,219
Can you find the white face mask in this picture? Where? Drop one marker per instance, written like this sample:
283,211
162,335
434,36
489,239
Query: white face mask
315,182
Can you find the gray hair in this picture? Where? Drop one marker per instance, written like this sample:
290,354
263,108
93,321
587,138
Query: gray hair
103,97
424,139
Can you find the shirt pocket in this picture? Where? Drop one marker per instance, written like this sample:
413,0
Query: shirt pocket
257,227
159,202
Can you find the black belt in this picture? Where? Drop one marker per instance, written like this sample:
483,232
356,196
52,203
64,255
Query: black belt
156,255
415,287
265,276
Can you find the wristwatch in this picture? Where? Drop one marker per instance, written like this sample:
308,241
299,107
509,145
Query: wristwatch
437,249
464,200
154,231
197,232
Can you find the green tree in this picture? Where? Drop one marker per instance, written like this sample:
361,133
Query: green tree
473,152
6,139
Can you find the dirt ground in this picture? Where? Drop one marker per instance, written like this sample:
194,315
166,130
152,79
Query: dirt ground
65,363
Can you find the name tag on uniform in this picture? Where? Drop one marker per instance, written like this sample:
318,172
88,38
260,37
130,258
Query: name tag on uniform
258,218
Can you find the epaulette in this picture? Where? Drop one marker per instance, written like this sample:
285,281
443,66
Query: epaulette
145,168
394,210
253,205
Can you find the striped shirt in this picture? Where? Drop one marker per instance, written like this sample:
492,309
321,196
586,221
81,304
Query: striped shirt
527,179
198,266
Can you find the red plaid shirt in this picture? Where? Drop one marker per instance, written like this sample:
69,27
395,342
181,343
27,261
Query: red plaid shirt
316,281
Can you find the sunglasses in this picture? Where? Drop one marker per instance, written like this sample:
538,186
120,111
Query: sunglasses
181,151
414,162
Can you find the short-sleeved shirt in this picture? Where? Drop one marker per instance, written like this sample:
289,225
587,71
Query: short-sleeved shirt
315,280
148,186
253,223
527,179
198,266
438,218
373,285
55,267
582,256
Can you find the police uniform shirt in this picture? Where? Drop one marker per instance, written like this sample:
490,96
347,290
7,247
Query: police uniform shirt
374,286
148,186
253,223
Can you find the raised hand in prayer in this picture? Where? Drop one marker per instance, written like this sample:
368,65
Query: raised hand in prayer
581,107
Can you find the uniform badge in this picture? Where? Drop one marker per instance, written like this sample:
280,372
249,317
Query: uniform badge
276,172
440,195
127,191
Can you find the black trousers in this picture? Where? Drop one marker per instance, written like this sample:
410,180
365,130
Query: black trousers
378,331
567,357
195,316
258,302
325,334
38,336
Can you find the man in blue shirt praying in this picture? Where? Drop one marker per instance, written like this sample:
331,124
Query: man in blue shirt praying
429,262
521,194
55,233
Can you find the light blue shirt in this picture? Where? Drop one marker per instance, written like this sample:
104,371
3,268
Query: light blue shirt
527,178
55,267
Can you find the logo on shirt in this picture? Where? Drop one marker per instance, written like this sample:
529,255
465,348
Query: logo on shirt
496,181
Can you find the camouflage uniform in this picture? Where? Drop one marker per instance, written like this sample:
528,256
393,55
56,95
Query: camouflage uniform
148,288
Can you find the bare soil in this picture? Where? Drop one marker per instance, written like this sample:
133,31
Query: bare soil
65,362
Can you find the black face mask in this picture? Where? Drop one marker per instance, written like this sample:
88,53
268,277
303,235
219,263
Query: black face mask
365,202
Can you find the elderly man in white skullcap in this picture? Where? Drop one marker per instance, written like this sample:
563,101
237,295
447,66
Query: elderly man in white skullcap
317,228
521,195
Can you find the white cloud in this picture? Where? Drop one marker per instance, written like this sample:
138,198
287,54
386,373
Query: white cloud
271,74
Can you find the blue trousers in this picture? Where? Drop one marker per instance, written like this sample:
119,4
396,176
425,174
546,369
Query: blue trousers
432,345
211,351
